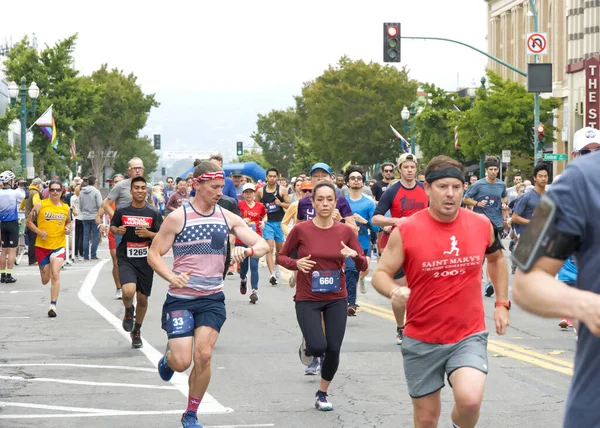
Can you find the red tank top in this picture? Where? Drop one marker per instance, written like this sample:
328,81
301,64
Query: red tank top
443,264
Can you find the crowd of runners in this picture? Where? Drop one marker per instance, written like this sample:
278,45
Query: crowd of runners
436,234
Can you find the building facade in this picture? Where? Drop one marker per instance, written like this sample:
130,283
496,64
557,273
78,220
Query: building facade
509,22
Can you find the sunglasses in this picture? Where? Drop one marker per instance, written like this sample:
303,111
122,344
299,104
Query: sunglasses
55,190
388,170
307,191
588,151
355,178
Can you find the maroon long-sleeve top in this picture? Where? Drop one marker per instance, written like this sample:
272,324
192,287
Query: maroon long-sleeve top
324,246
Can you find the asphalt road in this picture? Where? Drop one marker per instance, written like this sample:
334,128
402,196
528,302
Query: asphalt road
79,370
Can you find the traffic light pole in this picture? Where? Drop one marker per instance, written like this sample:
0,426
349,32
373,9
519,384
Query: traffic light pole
538,154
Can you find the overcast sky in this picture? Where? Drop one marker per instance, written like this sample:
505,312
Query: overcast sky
214,65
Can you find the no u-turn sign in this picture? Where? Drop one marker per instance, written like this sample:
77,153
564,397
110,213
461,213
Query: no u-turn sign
537,43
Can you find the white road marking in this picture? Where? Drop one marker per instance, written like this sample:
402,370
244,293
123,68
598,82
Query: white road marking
21,291
84,382
179,380
13,318
86,366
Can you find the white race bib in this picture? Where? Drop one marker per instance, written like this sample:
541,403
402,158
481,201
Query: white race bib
137,249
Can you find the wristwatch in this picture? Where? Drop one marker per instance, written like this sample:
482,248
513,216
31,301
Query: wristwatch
505,303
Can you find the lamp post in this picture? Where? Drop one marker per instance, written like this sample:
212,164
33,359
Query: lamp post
15,91
482,158
406,114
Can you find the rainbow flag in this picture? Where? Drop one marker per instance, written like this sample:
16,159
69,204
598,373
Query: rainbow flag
48,126
403,142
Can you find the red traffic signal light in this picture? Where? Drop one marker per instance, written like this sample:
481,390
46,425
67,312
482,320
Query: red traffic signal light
392,31
391,42
541,129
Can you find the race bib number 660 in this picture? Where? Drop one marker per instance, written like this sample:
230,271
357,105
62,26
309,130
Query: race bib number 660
137,249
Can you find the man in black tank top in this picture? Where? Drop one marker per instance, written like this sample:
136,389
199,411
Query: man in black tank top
276,200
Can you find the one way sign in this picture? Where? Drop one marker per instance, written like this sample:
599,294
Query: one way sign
537,43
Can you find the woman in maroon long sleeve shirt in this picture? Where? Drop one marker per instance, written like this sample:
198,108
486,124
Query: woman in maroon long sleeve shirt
322,245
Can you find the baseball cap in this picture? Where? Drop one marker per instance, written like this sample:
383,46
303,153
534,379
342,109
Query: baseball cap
248,186
585,136
306,185
406,157
322,166
237,173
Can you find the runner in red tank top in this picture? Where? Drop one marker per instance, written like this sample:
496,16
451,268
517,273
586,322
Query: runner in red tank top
442,250
402,199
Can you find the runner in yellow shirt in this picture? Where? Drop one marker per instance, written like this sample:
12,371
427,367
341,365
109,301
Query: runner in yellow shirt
53,226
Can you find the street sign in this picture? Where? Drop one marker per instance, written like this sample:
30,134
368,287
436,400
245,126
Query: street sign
555,156
537,43
506,156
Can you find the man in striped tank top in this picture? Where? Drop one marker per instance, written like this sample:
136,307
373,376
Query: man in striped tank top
194,310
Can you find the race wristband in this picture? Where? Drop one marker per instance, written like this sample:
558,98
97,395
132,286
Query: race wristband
252,253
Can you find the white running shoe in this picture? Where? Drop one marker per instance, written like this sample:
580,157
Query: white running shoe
119,294
322,403
304,358
363,285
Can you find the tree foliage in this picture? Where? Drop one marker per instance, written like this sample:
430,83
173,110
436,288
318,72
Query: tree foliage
276,134
141,147
74,101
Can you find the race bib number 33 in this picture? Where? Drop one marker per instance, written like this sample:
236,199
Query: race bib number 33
137,249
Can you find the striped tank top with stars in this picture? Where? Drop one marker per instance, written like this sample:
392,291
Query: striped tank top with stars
201,247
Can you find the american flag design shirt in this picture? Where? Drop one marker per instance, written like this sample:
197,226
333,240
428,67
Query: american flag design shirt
201,247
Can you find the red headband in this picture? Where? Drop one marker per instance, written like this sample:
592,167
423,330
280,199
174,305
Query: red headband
209,176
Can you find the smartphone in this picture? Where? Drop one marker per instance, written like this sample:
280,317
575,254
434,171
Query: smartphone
536,236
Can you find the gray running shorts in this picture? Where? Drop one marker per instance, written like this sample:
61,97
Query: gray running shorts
425,363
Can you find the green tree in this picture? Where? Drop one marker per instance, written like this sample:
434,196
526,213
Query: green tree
502,119
253,156
123,113
276,134
73,99
141,147
346,112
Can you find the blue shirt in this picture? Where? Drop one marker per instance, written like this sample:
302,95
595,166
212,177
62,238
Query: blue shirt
493,194
364,207
525,206
9,203
577,195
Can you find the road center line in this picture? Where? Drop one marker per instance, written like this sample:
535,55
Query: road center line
179,380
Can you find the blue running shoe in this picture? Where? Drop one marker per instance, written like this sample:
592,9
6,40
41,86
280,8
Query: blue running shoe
190,420
165,372
321,402
489,289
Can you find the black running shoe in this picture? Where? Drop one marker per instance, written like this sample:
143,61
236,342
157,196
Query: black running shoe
399,335
128,319
243,285
10,280
136,339
3,279
273,280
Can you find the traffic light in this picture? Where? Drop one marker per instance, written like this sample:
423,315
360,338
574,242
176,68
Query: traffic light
163,171
541,130
391,42
240,148
156,141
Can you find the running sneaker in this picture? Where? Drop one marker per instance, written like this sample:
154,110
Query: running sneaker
399,335
128,319
119,294
363,285
165,372
253,297
10,280
136,339
351,310
190,420
230,270
292,281
277,273
489,289
322,403
243,285
273,280
52,311
565,323
314,368
303,354
511,246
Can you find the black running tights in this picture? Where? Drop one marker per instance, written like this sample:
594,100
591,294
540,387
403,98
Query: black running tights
335,315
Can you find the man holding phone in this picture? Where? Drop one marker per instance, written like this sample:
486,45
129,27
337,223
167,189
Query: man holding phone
565,223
